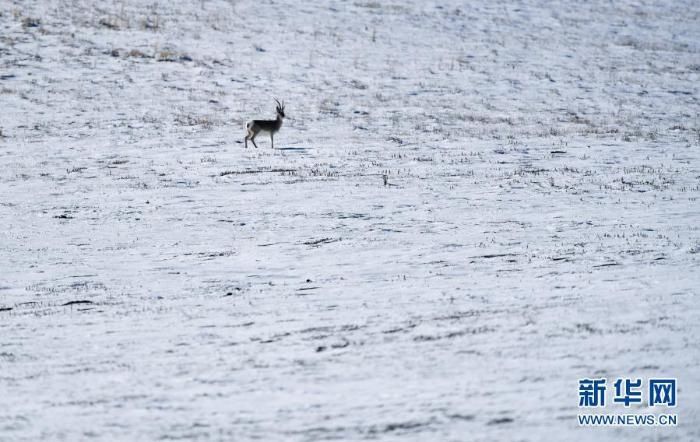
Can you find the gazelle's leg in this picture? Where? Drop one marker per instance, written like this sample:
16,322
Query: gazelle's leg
247,135
272,139
253,140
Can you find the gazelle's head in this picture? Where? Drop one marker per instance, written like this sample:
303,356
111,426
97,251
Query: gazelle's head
280,109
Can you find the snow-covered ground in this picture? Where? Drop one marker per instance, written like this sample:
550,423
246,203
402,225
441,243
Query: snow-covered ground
539,221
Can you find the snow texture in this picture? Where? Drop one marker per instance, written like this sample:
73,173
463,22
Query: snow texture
471,205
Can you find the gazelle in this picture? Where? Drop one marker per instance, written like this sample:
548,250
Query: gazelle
254,127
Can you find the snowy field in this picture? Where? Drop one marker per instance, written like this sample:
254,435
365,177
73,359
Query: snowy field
471,206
